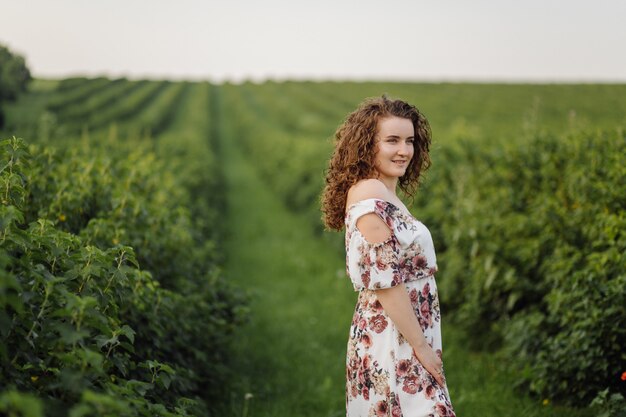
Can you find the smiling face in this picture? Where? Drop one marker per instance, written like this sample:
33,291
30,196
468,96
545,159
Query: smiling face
394,147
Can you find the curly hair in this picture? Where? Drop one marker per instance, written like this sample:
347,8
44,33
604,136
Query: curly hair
355,150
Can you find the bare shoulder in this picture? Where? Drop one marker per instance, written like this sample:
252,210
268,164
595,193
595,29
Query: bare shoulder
371,226
367,188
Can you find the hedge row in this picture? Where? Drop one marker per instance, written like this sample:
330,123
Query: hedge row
291,161
111,300
73,95
531,240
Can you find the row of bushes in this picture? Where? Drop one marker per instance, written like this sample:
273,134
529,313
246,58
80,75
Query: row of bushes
151,115
73,96
533,255
291,161
111,298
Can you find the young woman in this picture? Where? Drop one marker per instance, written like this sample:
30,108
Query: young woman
393,363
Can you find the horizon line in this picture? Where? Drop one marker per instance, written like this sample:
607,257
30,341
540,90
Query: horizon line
340,79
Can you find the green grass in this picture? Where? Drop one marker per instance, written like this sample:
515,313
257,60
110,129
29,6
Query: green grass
481,386
290,356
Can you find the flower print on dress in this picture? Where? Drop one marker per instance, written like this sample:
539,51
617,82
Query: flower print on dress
379,264
383,375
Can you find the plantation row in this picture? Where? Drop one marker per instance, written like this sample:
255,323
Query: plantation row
287,155
528,220
125,108
112,299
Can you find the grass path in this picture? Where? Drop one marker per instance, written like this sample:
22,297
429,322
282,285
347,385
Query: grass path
290,356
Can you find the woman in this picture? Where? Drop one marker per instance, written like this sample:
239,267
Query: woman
393,364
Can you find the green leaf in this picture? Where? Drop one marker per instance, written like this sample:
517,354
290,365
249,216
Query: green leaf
127,331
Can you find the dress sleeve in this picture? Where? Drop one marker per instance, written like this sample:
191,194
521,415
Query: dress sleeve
373,265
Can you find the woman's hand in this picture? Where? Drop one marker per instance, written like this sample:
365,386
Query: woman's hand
397,304
431,362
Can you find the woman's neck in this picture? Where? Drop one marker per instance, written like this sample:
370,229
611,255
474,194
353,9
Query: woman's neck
390,182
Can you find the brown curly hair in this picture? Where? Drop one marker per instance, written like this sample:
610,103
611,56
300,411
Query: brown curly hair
355,149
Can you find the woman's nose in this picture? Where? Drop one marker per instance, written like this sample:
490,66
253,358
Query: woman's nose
404,149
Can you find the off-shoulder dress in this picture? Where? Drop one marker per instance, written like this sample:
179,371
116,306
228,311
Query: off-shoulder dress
383,375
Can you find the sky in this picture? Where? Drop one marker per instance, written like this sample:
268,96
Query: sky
407,40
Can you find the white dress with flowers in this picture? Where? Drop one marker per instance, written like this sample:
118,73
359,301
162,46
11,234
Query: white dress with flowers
383,375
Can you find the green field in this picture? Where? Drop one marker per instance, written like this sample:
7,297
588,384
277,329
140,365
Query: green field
250,158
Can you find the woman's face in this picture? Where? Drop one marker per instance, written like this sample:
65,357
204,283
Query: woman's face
394,146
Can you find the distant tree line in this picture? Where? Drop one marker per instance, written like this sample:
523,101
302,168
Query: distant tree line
14,77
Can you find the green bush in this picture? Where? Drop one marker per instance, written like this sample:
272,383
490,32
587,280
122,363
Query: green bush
84,326
609,405
14,75
536,257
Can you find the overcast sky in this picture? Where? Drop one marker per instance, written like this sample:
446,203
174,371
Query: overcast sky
480,40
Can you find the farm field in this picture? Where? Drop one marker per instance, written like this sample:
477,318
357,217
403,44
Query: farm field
236,170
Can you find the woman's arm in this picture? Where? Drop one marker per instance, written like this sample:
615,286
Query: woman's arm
397,305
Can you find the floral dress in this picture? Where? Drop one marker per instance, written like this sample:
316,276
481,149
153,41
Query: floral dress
383,375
